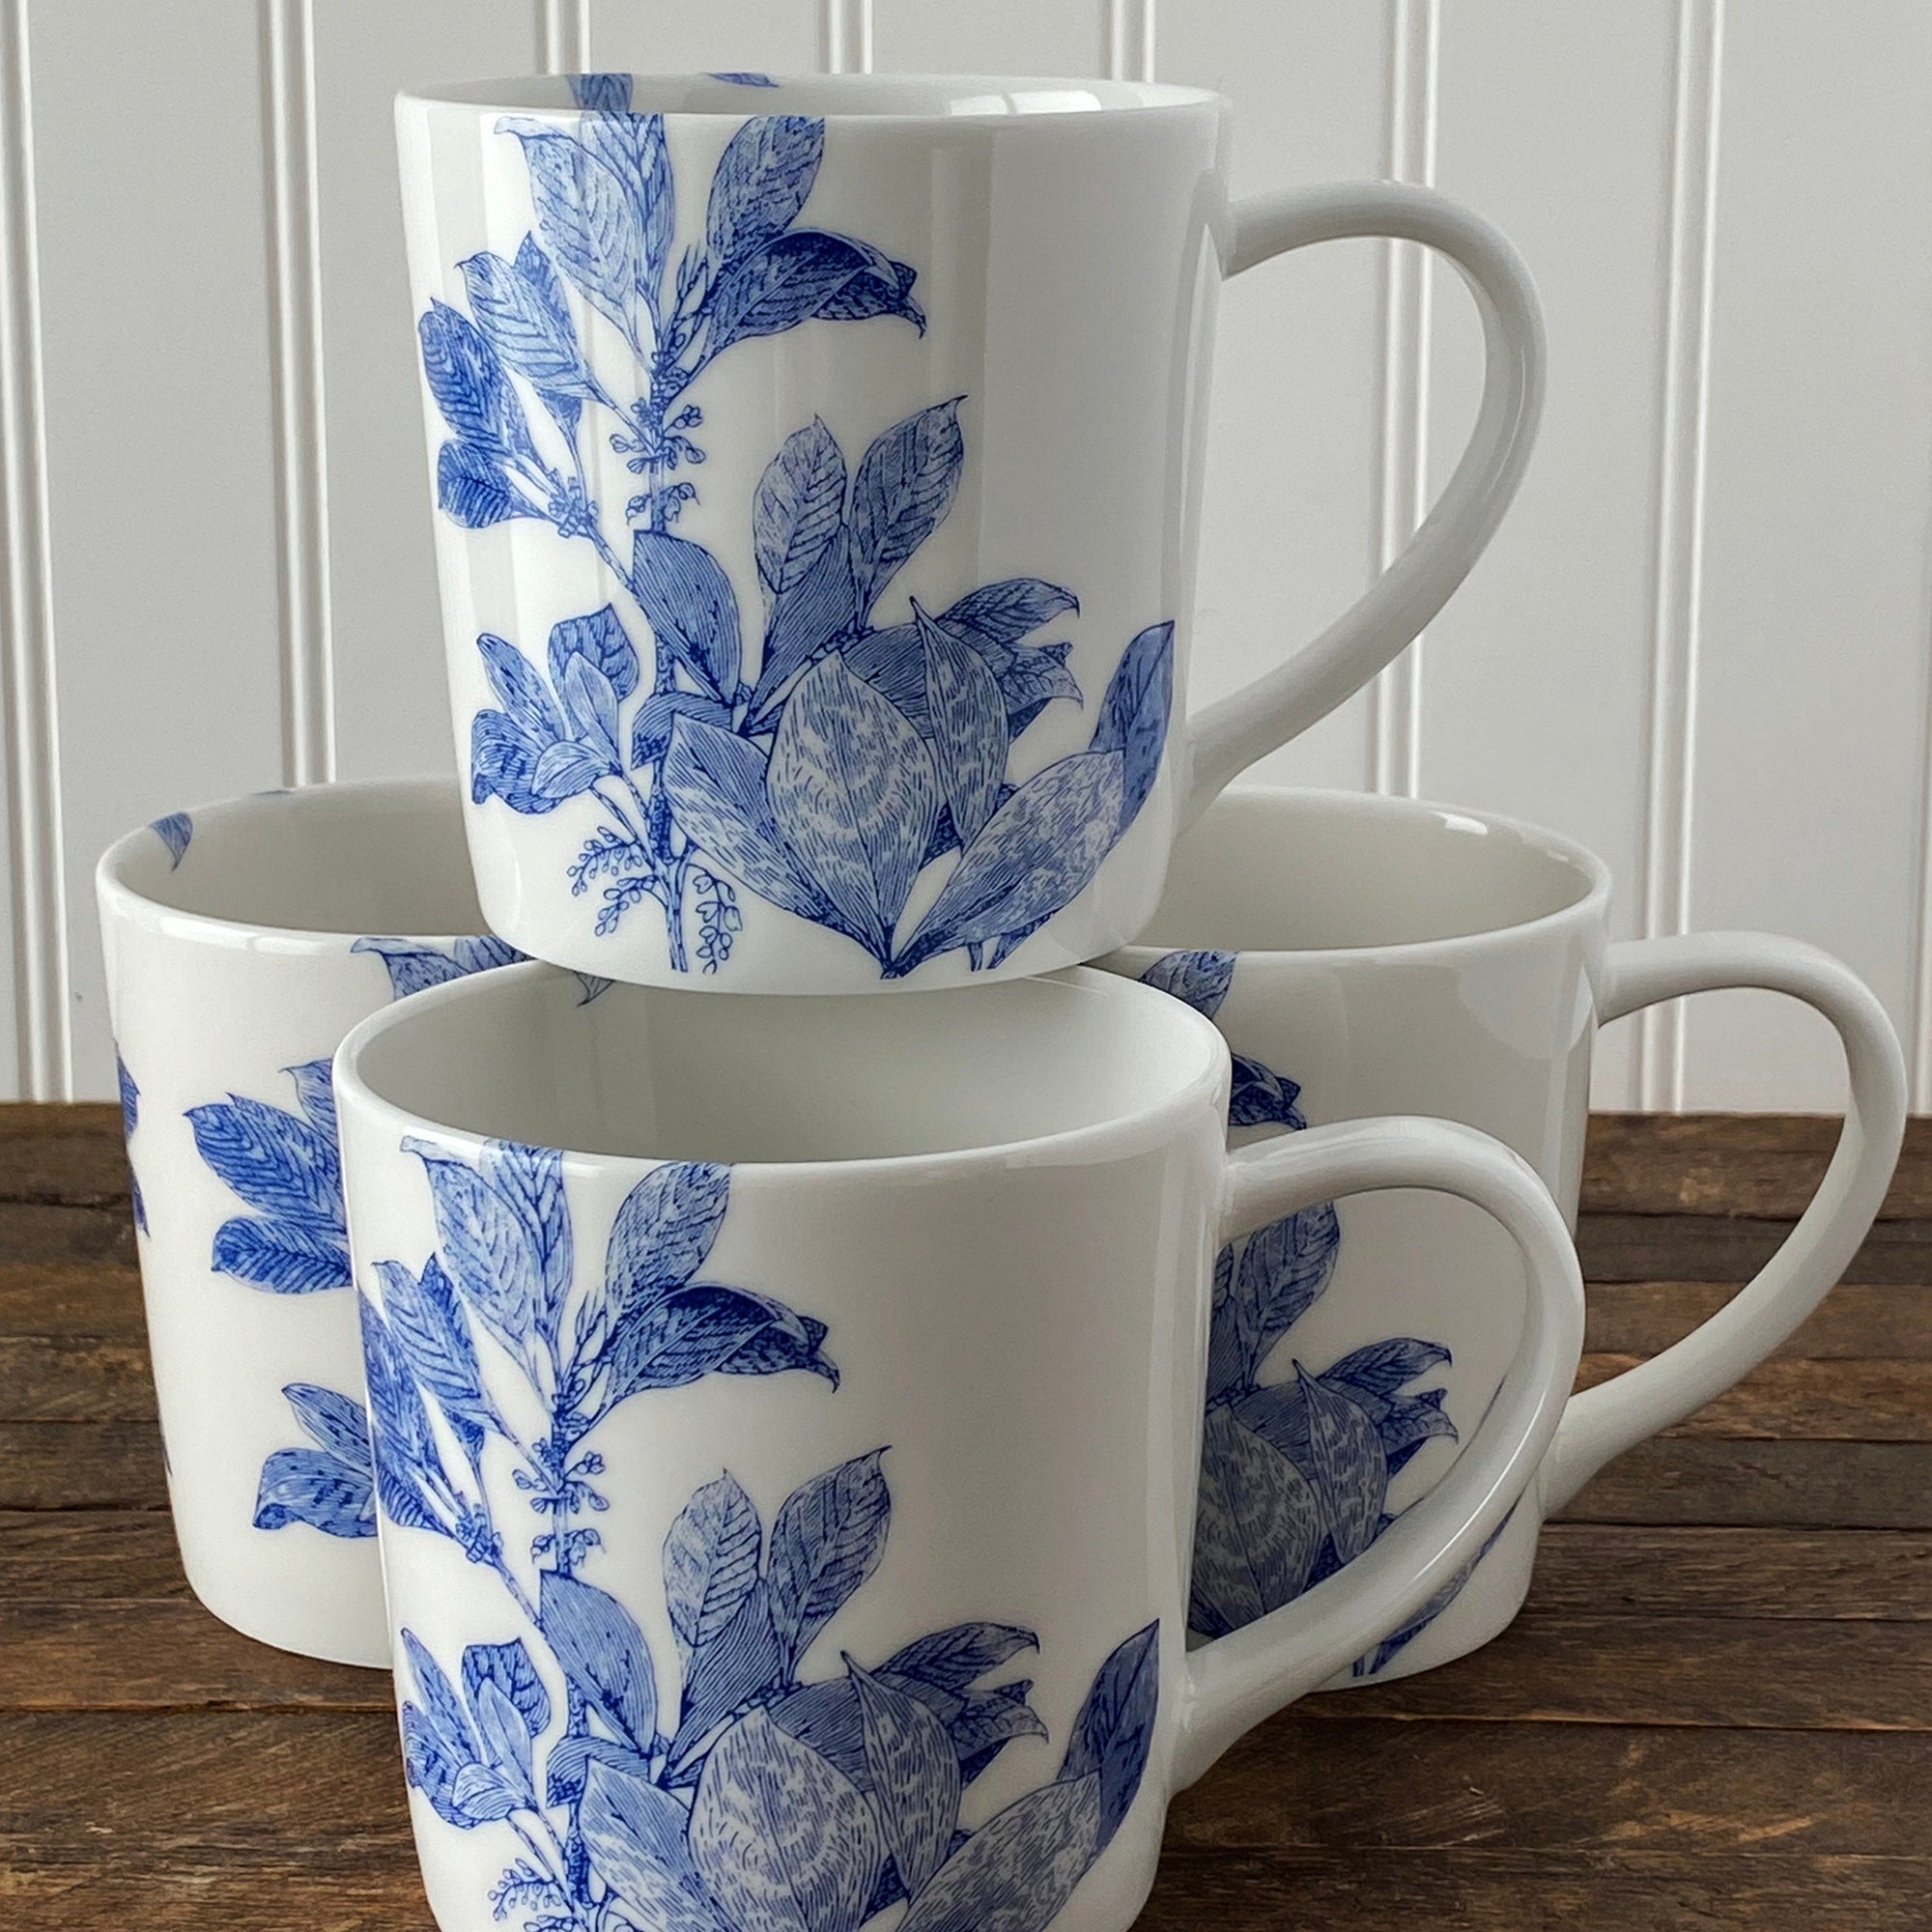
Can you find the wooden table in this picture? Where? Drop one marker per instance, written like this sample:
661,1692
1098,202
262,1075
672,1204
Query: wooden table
1716,1712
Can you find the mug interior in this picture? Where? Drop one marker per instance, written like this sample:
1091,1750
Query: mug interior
386,857
1286,871
947,97
653,1073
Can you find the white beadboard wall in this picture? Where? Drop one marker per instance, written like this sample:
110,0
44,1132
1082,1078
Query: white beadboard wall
1700,642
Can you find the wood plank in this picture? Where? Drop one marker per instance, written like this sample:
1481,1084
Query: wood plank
1730,1164
1604,1568
165,1654
1689,1479
1241,1892
1726,1672
316,1892
1325,1783
82,1790
1856,1319
38,1231
82,1557
169,1655
1693,1247
1800,1401
75,1378
133,1793
57,1466
1369,1893
1378,1890
61,1153
69,1298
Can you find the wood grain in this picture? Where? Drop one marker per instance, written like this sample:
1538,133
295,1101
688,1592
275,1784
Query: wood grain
1856,1319
1728,1164
1803,1574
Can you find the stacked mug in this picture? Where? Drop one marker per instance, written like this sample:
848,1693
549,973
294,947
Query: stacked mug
865,1404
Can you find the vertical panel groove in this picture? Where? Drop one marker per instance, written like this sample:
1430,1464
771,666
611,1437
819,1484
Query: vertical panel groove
1919,1041
1127,36
845,36
1683,421
1402,381
295,370
563,36
26,581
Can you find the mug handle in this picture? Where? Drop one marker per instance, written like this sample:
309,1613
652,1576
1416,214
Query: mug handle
1226,737
1236,1681
1603,1422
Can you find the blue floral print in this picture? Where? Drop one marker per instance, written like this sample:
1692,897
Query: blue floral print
131,1118
285,1165
826,772
1295,1470
758,1795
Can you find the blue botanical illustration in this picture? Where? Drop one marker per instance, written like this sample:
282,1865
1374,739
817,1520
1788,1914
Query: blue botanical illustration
175,832
285,1166
330,1484
1295,1471
824,771
414,967
131,1118
760,1795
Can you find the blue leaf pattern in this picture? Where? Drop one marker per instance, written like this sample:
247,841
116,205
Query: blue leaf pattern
1295,1473
904,488
683,819
711,1558
969,726
1200,979
131,1118
330,1487
1134,715
785,1841
1033,855
827,1539
853,791
175,831
913,1772
816,1805
761,183
683,590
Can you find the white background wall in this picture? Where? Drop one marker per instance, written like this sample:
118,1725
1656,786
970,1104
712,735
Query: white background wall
1700,642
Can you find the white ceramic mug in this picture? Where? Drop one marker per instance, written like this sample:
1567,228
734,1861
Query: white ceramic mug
817,474
786,1499
1366,955
242,941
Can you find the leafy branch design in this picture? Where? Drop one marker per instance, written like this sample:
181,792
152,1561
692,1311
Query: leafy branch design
131,1118
286,1166
757,1799
853,756
1295,1473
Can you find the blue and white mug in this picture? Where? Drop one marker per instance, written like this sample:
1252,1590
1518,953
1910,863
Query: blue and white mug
786,1419
817,478
242,940
1366,955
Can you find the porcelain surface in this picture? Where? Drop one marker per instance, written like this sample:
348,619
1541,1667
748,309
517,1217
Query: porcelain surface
816,469
242,940
1366,955
788,1426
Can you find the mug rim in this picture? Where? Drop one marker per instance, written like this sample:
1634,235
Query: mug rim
1110,100
128,901
1591,904
1153,1122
